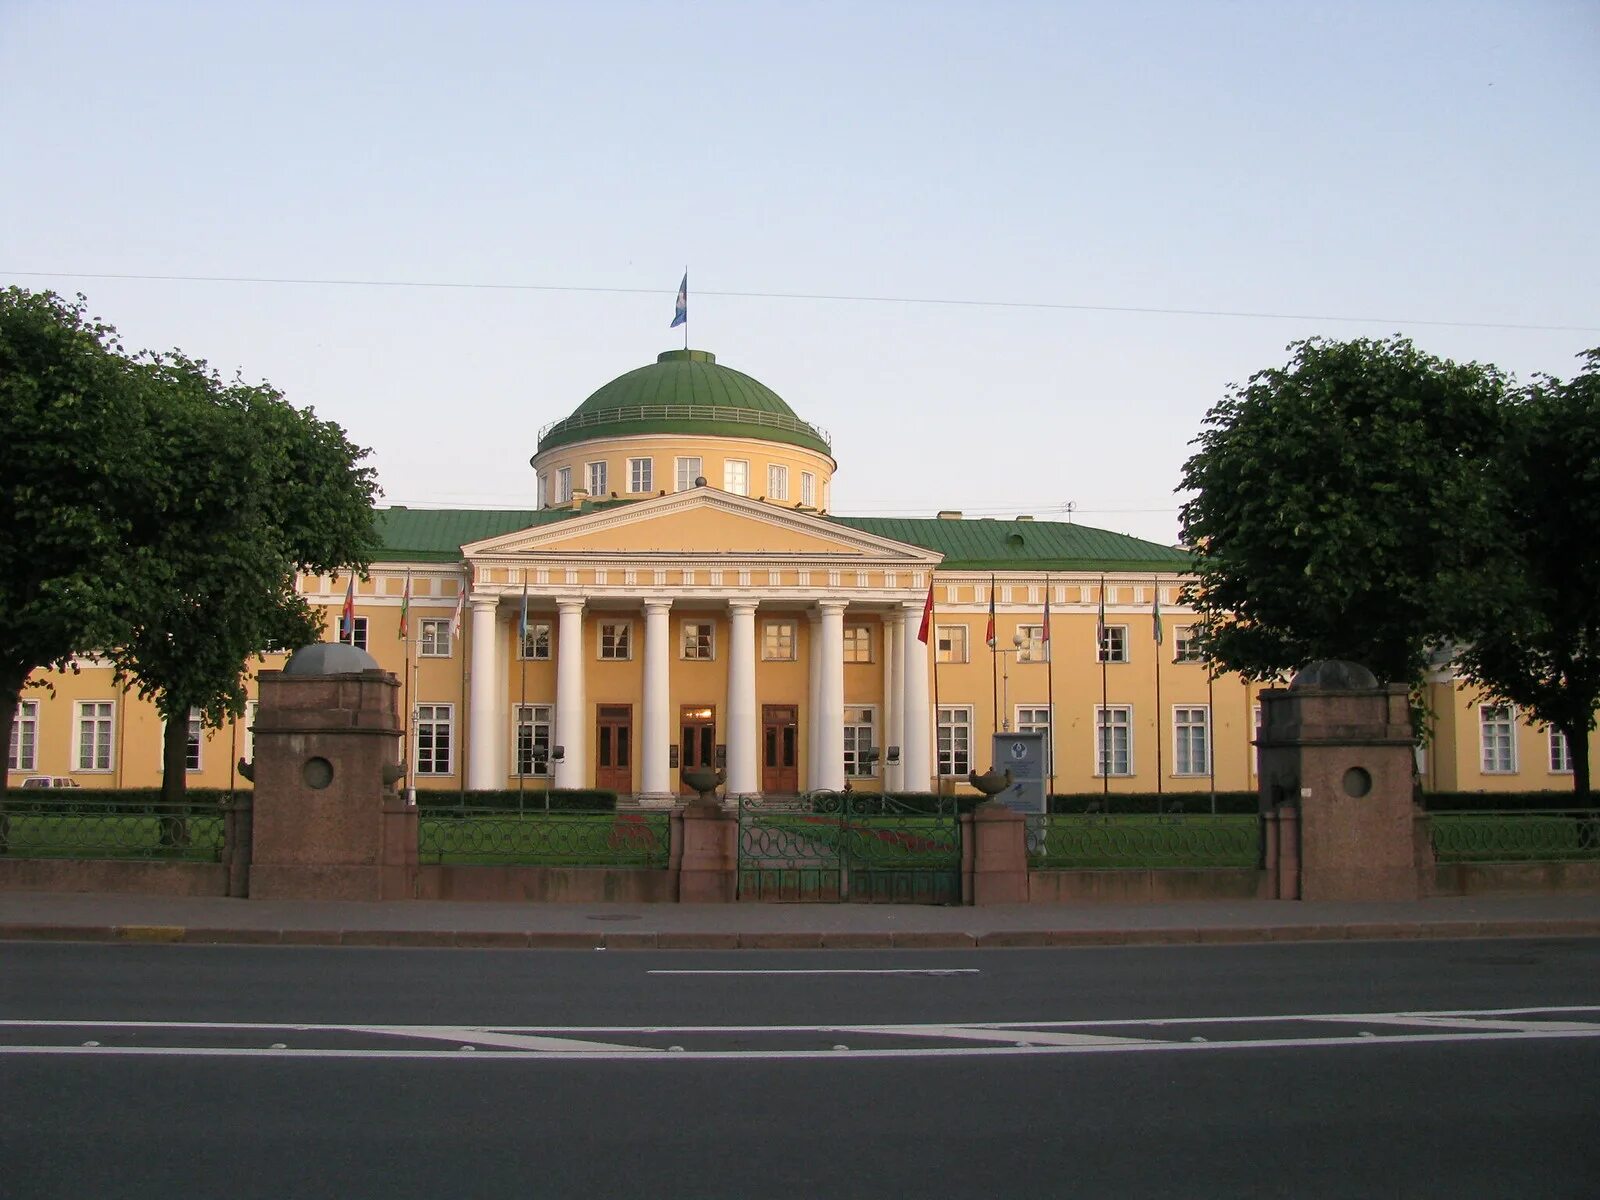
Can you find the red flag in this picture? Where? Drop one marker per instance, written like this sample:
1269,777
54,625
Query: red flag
927,617
347,618
989,636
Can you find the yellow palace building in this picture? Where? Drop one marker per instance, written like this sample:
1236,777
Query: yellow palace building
681,595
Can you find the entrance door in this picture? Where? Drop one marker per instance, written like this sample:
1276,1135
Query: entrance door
779,734
697,743
613,748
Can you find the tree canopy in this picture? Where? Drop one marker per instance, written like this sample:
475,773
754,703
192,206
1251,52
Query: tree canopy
1343,508
1540,648
159,516
72,450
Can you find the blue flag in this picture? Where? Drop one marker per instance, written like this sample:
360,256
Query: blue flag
680,316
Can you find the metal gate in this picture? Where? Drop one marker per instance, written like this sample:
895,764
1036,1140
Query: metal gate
827,847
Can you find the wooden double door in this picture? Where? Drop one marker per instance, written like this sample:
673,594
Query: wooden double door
780,726
613,748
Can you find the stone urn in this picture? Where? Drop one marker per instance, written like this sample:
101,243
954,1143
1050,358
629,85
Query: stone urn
991,783
705,781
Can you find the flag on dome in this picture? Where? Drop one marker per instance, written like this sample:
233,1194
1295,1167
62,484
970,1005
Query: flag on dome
681,315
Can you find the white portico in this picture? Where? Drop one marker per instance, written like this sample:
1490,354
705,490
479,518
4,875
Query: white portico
697,628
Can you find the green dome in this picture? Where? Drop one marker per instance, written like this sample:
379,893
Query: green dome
685,391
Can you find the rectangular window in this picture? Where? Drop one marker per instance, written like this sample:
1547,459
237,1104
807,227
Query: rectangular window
616,641
24,752
1560,754
1191,740
250,707
1498,738
858,739
1114,740
196,723
952,643
357,638
736,477
536,643
955,741
534,723
688,471
563,485
1033,647
1114,644
808,489
777,482
94,735
697,644
434,727
595,475
778,641
1185,646
857,644
1032,719
639,475
434,639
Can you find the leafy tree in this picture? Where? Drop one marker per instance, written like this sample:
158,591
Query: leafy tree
1540,650
1342,508
74,459
253,491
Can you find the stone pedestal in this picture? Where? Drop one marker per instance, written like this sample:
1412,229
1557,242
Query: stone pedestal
994,841
1336,787
327,822
705,844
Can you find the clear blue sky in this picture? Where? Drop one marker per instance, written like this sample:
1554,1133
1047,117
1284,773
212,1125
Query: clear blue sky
1419,166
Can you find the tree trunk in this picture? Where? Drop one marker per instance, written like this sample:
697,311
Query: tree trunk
175,760
11,680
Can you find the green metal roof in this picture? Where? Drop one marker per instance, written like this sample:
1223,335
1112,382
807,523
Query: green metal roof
1023,545
685,391
437,535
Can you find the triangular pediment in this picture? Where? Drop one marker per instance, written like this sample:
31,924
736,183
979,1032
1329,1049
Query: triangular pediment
699,523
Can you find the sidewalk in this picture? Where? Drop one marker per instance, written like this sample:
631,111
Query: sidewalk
36,916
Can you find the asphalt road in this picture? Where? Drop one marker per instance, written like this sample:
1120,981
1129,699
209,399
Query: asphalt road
1392,1069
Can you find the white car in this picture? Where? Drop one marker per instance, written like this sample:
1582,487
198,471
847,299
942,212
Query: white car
49,781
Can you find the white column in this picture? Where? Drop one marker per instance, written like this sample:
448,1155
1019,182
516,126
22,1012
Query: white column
655,779
893,729
915,751
743,734
484,770
813,691
571,718
830,698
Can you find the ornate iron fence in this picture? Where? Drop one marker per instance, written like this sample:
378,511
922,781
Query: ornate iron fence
837,846
51,827
1070,841
546,839
1521,835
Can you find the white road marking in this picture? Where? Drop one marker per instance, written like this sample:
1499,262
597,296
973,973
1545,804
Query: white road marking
821,971
644,1055
621,1043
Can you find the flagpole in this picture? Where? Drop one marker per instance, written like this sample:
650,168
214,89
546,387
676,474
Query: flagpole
994,661
933,632
1211,757
686,306
405,637
522,704
461,604
1157,633
1105,705
1050,692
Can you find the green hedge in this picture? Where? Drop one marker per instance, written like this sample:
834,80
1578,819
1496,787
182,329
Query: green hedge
1484,801
1153,802
199,801
559,799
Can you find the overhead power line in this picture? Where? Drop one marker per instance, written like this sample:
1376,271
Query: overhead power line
1038,305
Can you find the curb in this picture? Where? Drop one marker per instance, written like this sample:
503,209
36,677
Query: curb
792,940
